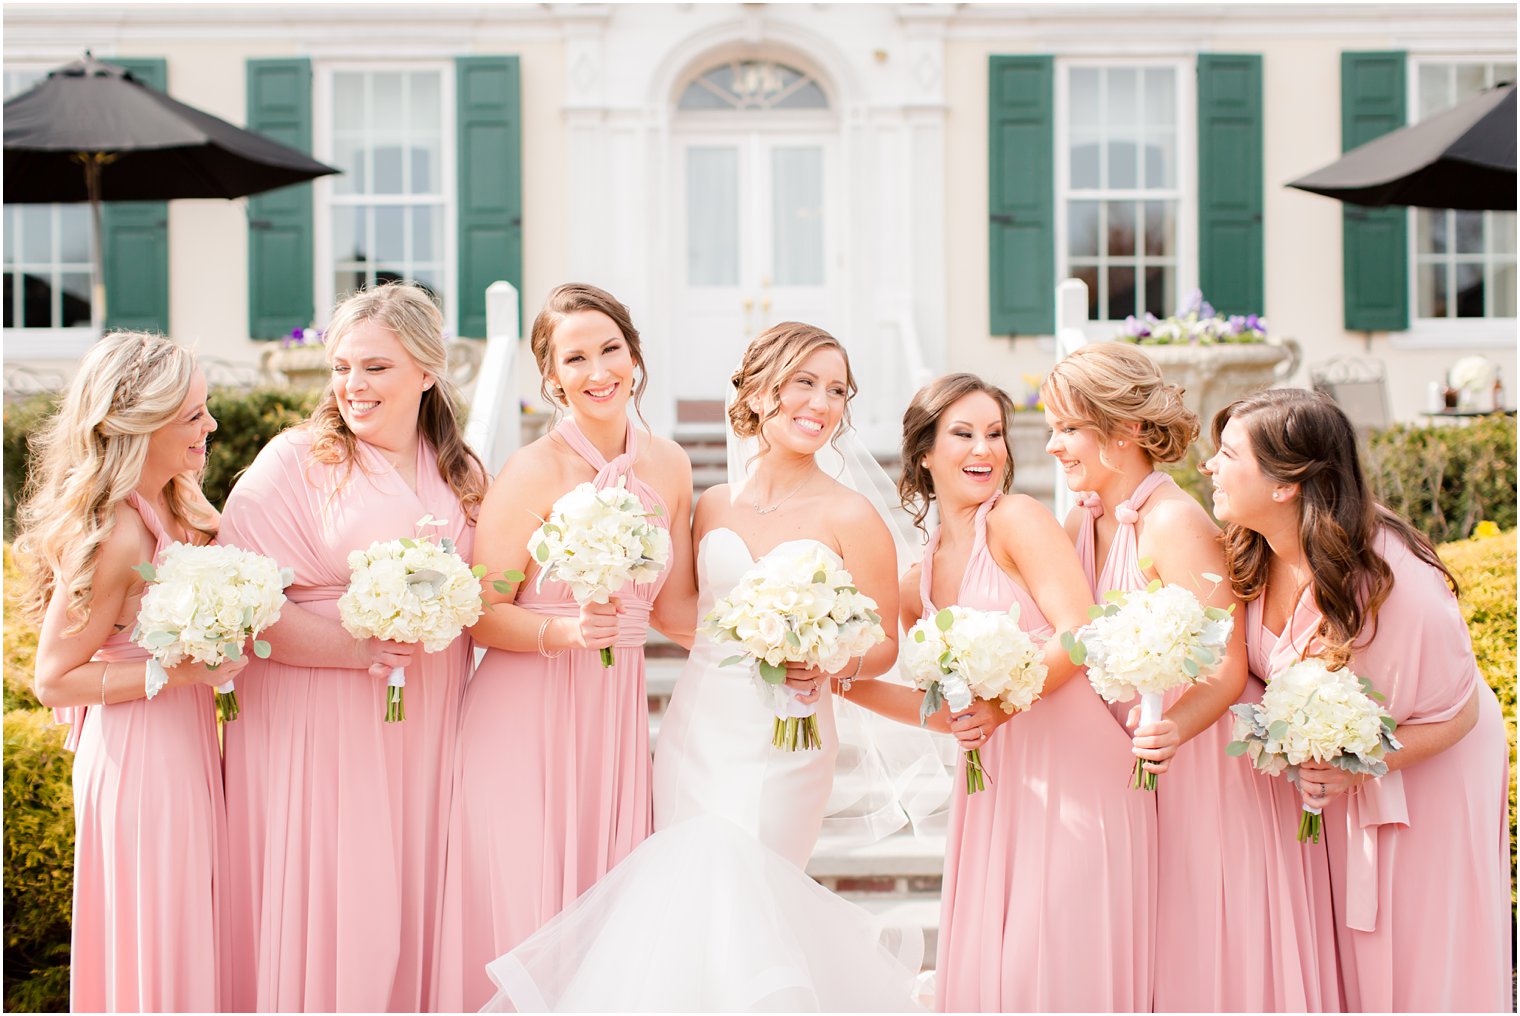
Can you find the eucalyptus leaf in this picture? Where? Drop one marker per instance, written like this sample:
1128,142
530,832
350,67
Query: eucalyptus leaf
1155,584
479,571
733,660
147,571
161,638
541,552
1095,611
232,650
1235,749
772,675
820,576
504,588
944,619
1145,563
792,639
262,649
513,575
1190,667
1114,596
1078,654
1278,730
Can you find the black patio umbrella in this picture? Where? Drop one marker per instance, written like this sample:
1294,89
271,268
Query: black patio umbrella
1463,157
90,131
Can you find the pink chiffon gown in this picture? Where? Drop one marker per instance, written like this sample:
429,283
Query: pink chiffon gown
1048,894
1243,917
552,779
150,845
338,819
1420,858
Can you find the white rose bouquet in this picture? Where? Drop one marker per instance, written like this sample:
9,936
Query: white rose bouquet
204,603
597,541
1149,642
410,590
1312,713
794,608
962,654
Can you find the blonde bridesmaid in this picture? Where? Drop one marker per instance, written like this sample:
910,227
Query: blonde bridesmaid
1049,870
553,770
1420,857
116,479
338,819
1242,919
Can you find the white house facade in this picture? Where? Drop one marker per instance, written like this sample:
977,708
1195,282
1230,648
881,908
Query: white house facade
915,177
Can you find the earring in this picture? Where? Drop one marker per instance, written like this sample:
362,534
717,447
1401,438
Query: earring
1277,495
1121,444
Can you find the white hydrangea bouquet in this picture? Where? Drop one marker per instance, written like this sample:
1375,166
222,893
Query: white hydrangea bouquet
961,654
1312,713
1149,642
410,590
794,608
597,541
204,603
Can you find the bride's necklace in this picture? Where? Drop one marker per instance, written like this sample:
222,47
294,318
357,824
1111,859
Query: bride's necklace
767,509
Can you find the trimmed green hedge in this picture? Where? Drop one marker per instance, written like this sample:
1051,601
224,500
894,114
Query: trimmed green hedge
246,420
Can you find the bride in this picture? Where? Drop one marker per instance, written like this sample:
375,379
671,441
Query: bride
714,912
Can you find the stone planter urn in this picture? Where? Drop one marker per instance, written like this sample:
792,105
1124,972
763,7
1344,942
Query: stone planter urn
1213,376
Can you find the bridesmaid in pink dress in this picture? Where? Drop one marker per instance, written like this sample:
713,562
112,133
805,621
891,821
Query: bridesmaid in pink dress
1048,871
1243,918
338,819
116,480
1420,857
552,778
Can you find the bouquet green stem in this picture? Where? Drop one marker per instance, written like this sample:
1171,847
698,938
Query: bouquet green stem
1309,825
607,656
976,776
796,733
227,706
395,705
1150,712
1144,779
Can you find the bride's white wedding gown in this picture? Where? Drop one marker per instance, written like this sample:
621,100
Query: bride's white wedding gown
714,912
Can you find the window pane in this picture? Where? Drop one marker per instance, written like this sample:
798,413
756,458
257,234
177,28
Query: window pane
1504,290
75,287
427,103
349,155
430,279
1123,171
806,96
712,216
386,274
10,299
1085,155
1160,154
797,215
1470,291
1429,231
427,234
1082,229
10,238
1471,79
348,101
1160,228
345,283
1160,98
1501,232
1430,290
1121,292
36,234
1435,89
1469,230
1121,228
699,96
390,233
1084,97
350,236
386,88
1123,94
36,301
425,175
1089,274
387,158
74,234
1158,290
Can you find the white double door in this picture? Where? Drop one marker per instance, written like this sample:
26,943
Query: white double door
756,244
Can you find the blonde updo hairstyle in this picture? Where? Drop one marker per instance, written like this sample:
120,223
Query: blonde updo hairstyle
89,456
573,298
920,430
769,362
407,312
1110,385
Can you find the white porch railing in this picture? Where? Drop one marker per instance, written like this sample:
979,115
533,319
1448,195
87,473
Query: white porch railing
494,429
1071,334
889,381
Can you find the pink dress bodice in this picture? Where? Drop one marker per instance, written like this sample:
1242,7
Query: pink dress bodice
984,586
1121,569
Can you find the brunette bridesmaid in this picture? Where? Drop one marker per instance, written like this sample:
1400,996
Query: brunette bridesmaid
1049,870
337,818
1420,857
1243,916
553,769
116,479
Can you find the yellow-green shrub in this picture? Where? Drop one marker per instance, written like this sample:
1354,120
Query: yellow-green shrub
20,644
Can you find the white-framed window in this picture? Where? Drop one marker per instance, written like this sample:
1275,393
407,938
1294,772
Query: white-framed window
47,262
1462,264
1125,186
390,215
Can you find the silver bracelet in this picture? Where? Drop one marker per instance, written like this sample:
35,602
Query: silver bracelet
541,650
846,683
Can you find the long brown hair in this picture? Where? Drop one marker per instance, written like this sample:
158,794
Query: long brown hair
1303,437
770,359
408,313
572,298
920,429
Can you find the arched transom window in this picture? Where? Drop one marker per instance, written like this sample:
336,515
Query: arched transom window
753,84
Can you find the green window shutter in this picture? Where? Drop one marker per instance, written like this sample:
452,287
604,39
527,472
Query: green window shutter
1021,194
1230,254
1375,252
489,120
134,239
280,272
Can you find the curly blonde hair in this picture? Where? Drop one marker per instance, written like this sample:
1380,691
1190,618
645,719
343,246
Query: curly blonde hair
1108,385
89,456
771,358
406,311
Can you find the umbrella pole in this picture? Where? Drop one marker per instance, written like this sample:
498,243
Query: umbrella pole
92,163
